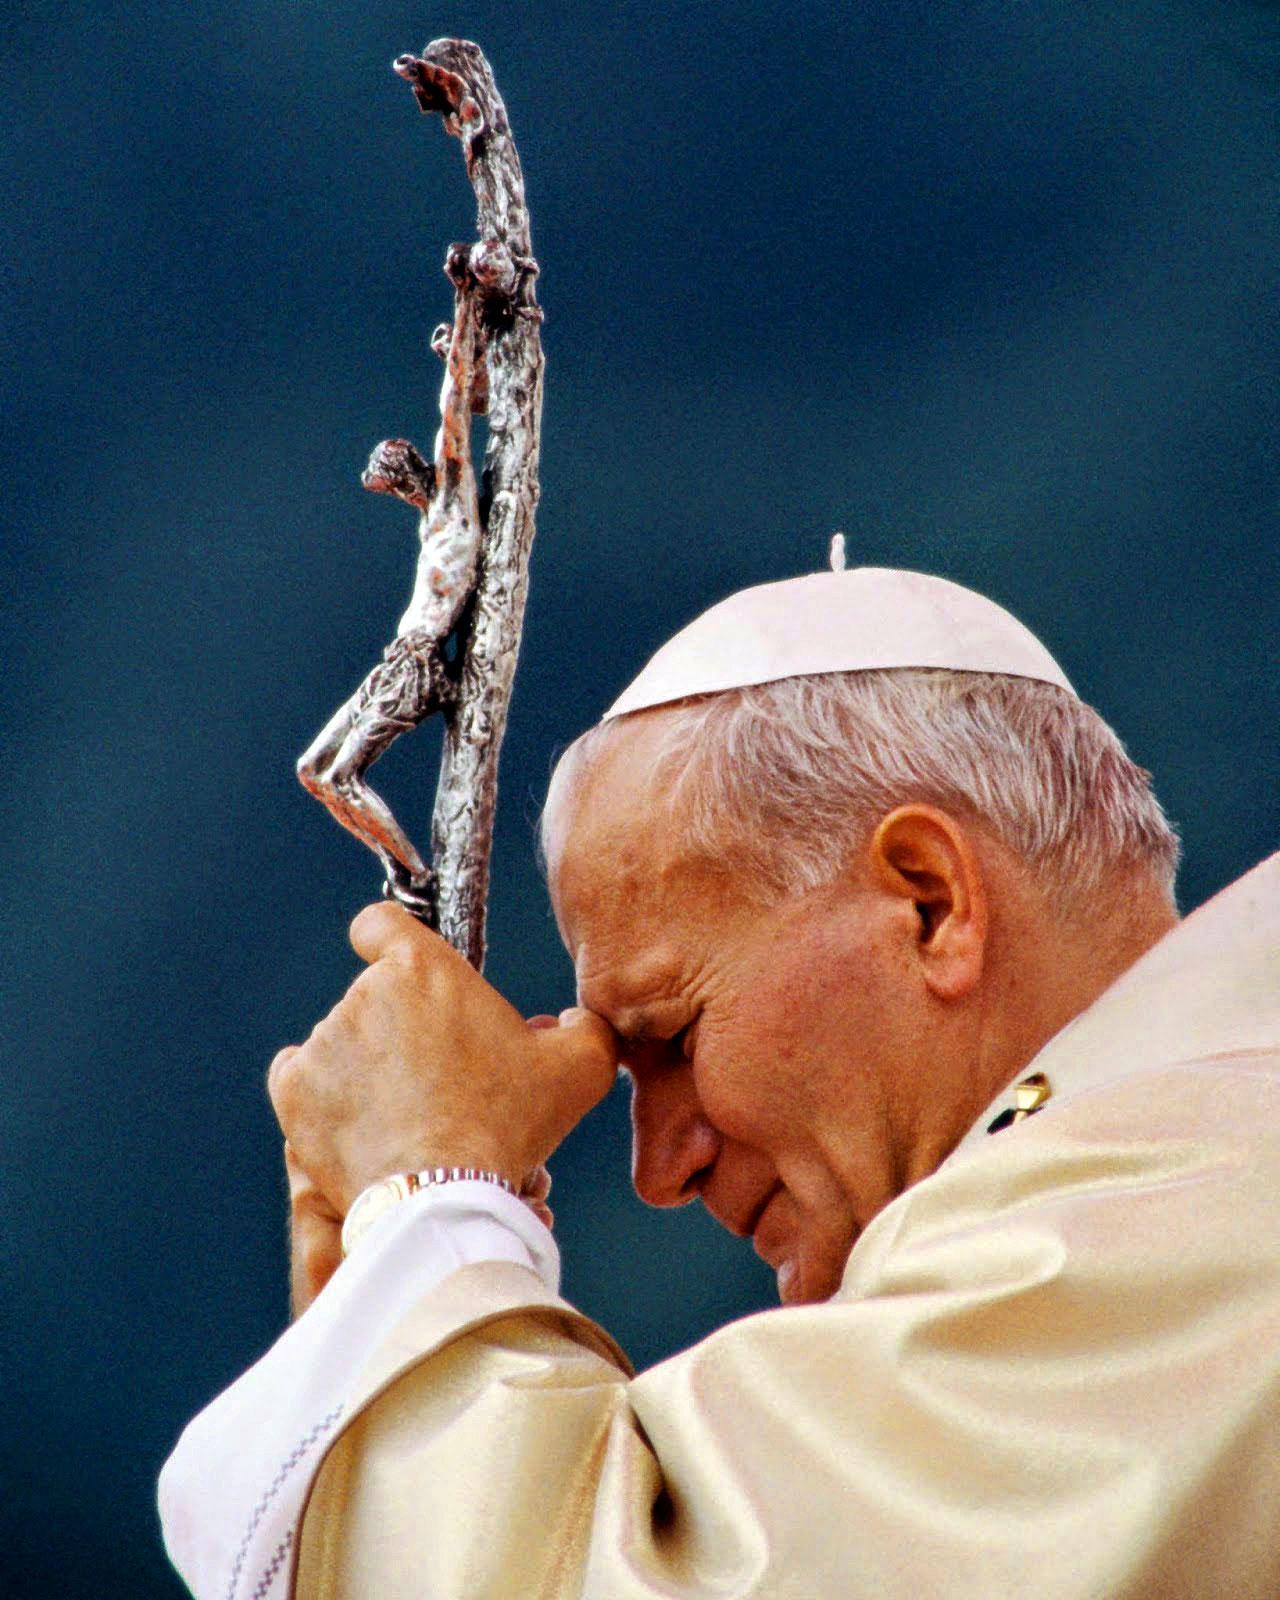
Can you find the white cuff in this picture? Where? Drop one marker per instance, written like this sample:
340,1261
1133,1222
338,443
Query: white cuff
232,1491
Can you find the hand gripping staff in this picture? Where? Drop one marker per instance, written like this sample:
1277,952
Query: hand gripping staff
456,645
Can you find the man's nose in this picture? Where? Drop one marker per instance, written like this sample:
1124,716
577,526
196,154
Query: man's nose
673,1146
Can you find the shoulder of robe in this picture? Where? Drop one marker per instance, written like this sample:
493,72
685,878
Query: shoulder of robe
1199,1140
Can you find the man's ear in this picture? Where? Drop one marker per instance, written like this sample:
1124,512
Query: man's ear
926,856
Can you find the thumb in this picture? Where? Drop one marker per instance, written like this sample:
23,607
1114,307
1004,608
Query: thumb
584,1051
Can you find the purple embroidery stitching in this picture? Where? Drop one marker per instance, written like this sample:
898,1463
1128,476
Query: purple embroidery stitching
294,1457
273,1567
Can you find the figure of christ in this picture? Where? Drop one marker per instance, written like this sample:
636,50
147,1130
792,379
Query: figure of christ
413,679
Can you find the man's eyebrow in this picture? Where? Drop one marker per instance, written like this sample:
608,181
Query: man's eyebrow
640,1024
636,1025
637,1005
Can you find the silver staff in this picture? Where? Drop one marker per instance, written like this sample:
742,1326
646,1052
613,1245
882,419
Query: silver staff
472,573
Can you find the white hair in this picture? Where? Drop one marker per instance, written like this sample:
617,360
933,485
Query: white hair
779,781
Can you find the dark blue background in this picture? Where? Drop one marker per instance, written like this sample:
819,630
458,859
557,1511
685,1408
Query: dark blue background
989,286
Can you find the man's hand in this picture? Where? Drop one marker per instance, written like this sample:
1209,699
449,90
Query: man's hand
422,1063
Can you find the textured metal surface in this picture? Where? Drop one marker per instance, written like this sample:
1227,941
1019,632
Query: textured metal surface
474,547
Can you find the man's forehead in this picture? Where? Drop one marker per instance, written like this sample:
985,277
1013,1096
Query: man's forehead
628,947
599,858
616,820
613,897
621,886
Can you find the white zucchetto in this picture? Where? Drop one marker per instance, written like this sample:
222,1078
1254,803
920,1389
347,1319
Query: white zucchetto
842,621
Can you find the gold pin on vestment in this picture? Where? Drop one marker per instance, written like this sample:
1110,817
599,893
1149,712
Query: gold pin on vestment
1029,1095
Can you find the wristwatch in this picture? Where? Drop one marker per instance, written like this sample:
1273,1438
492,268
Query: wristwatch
370,1204
384,1193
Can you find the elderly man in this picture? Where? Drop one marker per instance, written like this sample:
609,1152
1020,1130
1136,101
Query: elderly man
878,919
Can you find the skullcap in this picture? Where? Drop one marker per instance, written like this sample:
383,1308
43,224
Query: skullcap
845,621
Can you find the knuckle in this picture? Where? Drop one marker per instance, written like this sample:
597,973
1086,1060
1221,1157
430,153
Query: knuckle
387,925
278,1071
406,952
285,1076
408,935
415,963
369,922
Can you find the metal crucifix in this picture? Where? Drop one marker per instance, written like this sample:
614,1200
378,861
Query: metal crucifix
472,571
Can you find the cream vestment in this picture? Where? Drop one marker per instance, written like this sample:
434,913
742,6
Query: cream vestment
1052,1369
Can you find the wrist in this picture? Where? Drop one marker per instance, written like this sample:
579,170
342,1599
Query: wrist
384,1194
